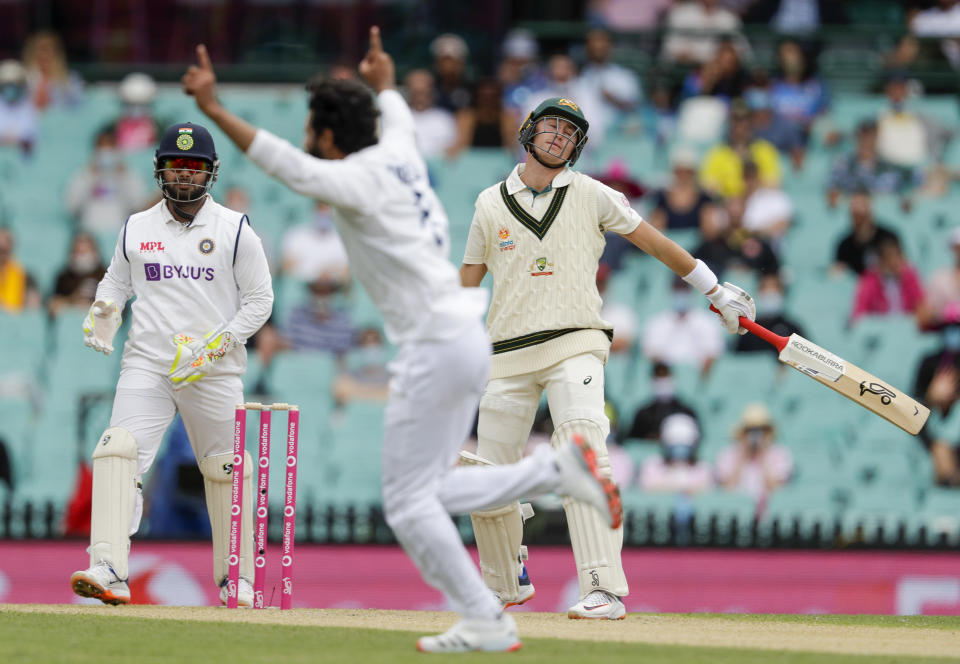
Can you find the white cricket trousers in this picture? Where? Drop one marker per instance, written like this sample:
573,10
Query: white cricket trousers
434,392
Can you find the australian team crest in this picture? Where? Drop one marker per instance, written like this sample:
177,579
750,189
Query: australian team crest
506,244
541,267
569,103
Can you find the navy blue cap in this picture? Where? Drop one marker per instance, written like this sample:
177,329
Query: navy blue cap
186,139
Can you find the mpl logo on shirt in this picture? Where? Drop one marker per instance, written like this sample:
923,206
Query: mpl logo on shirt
150,247
157,272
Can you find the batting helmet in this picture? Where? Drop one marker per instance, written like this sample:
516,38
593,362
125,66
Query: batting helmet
555,107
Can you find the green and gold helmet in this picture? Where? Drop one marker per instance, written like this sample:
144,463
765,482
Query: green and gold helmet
555,107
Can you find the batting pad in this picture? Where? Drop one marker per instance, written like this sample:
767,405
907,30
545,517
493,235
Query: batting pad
596,548
114,499
499,535
217,473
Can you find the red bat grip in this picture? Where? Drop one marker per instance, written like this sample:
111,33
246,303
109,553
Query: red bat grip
755,328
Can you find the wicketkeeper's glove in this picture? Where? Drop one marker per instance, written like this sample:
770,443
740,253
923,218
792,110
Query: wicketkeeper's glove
100,325
195,356
732,302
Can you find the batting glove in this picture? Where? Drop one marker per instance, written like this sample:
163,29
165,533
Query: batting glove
194,357
100,325
733,302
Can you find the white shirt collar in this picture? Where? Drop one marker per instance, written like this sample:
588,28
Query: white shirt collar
515,184
199,220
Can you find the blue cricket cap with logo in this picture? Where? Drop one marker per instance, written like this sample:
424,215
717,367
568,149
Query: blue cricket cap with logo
186,139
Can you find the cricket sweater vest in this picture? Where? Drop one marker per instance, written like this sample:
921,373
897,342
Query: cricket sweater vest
545,306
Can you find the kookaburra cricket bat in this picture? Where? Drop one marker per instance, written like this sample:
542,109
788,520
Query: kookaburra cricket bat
849,380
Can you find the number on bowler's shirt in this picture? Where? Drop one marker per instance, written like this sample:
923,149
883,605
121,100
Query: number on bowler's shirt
432,217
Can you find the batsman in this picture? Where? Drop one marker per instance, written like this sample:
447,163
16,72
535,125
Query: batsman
202,287
540,233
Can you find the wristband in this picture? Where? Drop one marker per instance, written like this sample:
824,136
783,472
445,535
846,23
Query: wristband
701,277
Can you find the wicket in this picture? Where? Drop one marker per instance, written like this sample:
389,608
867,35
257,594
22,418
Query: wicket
262,506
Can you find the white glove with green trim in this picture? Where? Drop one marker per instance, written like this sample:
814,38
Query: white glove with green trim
100,325
195,356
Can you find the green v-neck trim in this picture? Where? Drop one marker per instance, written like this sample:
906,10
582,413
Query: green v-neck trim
538,227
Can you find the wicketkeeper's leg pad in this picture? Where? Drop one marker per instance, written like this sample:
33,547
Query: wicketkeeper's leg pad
115,500
596,548
499,535
217,474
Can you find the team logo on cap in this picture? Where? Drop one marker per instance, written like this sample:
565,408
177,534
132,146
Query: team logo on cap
567,102
207,246
185,138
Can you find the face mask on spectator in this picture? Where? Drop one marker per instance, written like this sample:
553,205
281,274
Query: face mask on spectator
769,304
681,301
106,159
663,388
755,438
85,261
11,92
323,222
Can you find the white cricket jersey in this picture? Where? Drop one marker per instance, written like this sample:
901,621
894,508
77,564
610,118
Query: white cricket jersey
391,223
188,279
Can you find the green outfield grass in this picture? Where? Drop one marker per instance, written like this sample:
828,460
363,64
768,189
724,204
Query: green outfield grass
37,638
925,622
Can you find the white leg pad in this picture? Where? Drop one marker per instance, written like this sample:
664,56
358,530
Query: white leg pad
217,474
115,492
596,548
499,534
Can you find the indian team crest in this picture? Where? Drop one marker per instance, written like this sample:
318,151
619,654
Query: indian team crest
541,267
207,246
506,244
185,138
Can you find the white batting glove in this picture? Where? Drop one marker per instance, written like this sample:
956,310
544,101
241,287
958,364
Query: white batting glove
100,325
195,356
732,302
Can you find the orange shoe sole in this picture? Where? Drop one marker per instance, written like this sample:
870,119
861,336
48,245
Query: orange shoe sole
84,588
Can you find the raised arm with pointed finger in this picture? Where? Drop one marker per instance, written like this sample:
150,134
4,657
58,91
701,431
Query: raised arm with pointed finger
200,82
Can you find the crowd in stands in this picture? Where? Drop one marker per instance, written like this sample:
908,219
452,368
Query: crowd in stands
731,138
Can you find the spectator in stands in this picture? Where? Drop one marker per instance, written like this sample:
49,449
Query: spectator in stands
564,81
770,314
889,286
617,87
76,284
618,177
51,82
435,127
683,203
864,169
313,249
942,21
722,76
137,128
648,420
520,74
858,249
620,316
681,334
660,115
18,291
768,211
754,464
485,123
102,194
785,135
18,115
676,468
450,53
937,384
721,172
627,15
792,17
941,303
906,138
695,29
365,376
726,245
798,93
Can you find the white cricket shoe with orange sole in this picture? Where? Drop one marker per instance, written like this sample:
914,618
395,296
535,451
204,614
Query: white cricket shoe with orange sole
244,593
470,634
598,605
102,583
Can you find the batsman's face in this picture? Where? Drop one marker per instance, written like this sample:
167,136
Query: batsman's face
555,137
185,178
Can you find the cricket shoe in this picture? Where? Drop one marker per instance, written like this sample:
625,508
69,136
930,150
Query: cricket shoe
526,590
598,605
102,583
581,480
244,593
498,635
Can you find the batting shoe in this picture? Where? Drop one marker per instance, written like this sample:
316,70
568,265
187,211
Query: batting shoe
525,593
581,480
470,634
598,605
102,583
244,593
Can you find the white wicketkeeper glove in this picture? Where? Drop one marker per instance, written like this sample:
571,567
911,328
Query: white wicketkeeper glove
100,325
195,356
733,302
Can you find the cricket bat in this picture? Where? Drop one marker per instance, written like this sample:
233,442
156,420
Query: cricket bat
849,380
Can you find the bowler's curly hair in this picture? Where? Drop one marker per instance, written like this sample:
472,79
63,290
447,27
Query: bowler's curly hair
347,108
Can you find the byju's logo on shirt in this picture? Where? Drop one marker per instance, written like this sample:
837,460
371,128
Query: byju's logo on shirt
150,247
156,272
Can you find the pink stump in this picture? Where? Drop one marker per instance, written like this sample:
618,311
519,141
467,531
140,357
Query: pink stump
289,509
236,501
260,529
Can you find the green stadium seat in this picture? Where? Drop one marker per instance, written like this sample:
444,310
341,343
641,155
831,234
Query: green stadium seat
302,376
801,509
724,517
877,514
648,515
940,515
